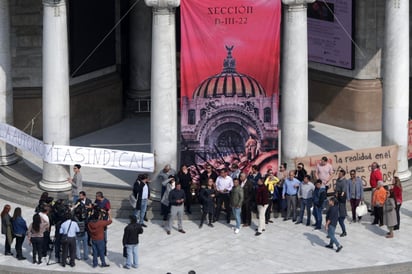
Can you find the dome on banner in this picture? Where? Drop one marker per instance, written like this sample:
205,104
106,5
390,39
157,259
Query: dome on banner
229,82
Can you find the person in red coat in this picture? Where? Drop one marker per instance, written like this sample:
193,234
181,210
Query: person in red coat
262,202
376,175
397,191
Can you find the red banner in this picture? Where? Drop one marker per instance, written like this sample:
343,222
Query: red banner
230,83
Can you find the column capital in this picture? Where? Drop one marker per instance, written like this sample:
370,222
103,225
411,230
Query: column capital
297,2
163,3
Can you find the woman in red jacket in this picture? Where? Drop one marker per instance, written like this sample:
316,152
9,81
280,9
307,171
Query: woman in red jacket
397,191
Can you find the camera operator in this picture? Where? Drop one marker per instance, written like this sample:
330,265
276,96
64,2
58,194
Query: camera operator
59,211
104,205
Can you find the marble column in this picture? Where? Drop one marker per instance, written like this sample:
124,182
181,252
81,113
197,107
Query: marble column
395,98
164,87
7,152
294,80
56,99
140,51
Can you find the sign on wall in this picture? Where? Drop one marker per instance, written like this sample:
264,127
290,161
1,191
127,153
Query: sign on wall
330,27
229,83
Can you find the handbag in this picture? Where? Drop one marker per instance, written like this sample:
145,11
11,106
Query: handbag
132,200
361,209
65,237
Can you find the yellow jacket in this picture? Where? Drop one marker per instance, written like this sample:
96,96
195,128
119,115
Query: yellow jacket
270,182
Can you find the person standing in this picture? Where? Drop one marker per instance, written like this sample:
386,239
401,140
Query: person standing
7,229
282,174
130,242
81,213
341,195
389,213
35,236
77,182
20,230
305,191
177,198
262,197
355,193
71,228
97,227
379,197
235,171
224,185
332,216
207,174
324,171
319,196
375,177
163,175
141,191
185,179
104,205
290,190
236,200
397,191
248,193
207,198
169,185
300,172
270,182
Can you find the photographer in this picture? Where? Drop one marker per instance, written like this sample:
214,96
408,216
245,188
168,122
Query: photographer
97,227
59,211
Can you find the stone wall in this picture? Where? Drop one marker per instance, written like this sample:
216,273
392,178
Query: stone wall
96,99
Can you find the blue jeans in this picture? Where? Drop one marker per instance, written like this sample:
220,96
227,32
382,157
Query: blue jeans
75,198
98,250
305,203
317,213
331,234
236,213
82,241
140,213
132,258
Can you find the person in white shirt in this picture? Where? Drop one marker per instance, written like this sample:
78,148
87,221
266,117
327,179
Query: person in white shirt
70,228
224,185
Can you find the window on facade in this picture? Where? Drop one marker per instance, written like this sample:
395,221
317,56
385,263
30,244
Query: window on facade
191,117
266,115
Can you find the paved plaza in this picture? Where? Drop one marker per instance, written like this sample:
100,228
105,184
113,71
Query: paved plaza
283,248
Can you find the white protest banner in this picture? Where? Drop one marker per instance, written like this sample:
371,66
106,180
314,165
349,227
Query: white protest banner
99,157
359,160
70,155
21,140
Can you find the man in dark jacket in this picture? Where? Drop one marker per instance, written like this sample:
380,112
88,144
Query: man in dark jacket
332,216
319,196
177,198
141,191
130,242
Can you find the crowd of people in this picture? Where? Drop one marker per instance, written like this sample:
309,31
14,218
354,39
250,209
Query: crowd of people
289,194
78,225
81,223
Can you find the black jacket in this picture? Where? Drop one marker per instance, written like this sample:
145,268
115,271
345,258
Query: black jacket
137,192
131,234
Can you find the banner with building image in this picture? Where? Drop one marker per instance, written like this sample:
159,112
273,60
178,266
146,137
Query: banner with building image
230,83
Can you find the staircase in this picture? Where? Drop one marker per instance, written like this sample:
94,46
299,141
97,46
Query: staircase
20,184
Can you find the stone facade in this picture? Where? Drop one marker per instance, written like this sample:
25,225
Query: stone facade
96,99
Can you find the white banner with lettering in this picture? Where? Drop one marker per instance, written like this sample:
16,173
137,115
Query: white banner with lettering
70,155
